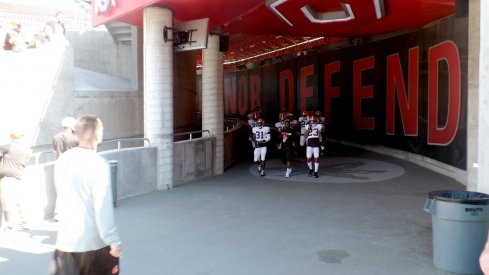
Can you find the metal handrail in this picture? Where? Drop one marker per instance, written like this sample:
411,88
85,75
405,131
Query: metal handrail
119,140
235,122
38,155
191,133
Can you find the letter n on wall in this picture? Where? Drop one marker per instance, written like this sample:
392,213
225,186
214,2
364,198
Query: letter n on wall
408,101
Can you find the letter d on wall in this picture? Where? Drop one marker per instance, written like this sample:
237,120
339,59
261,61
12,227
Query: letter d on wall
444,52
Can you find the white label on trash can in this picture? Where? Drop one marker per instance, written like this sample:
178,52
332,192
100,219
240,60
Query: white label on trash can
474,211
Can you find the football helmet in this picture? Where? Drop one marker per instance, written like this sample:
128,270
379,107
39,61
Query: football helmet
317,113
287,123
281,117
261,122
304,113
313,119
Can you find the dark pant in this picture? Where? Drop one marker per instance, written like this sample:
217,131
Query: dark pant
96,262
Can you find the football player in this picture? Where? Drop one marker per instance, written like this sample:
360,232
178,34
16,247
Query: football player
261,136
252,121
312,134
321,120
280,123
255,114
303,121
287,144
293,121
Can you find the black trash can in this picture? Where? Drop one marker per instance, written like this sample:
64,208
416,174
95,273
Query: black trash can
460,222
113,164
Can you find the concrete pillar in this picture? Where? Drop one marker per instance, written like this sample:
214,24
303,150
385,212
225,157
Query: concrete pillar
473,94
158,91
483,175
213,98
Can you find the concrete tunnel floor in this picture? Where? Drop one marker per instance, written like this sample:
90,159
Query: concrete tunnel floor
363,215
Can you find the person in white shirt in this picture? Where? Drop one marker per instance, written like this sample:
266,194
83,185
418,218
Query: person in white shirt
87,241
484,258
313,134
261,136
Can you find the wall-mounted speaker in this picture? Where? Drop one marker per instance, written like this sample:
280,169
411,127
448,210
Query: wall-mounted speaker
224,43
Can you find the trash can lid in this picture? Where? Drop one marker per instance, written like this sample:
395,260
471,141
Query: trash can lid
456,196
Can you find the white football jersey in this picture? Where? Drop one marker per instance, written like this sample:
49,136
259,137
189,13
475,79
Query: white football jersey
314,130
253,123
304,121
280,125
261,133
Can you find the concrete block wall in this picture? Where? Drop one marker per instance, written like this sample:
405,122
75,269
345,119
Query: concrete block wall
96,50
121,111
137,172
38,90
136,175
193,159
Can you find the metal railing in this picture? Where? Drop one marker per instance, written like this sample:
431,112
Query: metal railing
120,140
38,155
235,123
102,147
192,133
